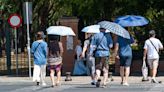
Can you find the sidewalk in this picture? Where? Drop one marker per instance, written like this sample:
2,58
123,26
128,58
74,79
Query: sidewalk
75,79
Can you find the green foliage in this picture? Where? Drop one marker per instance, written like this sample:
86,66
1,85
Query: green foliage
47,12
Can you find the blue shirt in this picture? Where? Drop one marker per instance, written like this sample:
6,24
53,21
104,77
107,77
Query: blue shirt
39,52
124,46
101,42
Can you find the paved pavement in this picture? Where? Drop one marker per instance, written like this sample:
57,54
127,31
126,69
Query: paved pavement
78,84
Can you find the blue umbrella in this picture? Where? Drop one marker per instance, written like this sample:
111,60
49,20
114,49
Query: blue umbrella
131,20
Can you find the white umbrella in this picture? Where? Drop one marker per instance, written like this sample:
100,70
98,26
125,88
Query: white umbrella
60,30
91,29
114,28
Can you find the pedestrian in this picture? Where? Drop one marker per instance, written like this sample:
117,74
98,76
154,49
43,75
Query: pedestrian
55,52
151,52
123,54
39,51
79,67
90,62
100,45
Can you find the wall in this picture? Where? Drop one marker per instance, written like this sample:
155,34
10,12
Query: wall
68,55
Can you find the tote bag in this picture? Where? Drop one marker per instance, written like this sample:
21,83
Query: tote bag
144,70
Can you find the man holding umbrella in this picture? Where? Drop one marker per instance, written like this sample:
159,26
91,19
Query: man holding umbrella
101,44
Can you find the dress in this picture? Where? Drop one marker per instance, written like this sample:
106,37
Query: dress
79,67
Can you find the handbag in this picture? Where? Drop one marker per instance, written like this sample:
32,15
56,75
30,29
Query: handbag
144,70
54,60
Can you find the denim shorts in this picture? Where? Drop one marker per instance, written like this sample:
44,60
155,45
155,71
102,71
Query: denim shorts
125,61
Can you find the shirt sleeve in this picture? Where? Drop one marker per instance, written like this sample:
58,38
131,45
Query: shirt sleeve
45,49
160,44
145,45
110,41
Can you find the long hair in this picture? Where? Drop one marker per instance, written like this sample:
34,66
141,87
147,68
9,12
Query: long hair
54,48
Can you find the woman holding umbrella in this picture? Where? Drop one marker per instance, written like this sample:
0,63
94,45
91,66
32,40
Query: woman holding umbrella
124,55
55,59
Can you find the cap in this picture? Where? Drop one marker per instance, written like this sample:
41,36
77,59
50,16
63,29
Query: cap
151,32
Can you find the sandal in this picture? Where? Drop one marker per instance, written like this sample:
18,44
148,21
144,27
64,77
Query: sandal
58,84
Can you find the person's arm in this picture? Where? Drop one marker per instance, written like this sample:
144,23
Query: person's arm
61,48
145,52
116,48
83,52
116,45
32,48
160,45
85,47
46,50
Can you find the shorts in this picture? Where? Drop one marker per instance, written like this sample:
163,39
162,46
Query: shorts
125,61
55,67
153,63
102,63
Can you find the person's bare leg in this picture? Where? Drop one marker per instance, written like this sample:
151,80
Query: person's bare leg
127,72
122,74
105,77
58,77
98,72
52,77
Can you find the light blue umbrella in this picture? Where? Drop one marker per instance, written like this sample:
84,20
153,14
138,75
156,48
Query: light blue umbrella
60,30
91,29
114,28
131,21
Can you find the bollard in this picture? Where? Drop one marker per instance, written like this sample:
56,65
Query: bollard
68,76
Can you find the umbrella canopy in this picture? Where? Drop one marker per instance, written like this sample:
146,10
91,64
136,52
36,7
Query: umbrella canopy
91,29
131,20
114,28
60,30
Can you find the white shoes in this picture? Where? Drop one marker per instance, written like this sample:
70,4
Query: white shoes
44,84
125,84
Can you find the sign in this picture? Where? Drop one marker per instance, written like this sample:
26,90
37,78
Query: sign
14,20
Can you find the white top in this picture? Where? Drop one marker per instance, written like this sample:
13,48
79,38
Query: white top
151,51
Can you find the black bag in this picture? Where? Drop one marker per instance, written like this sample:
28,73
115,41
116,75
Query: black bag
75,56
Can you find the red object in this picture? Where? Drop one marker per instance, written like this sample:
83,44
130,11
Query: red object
15,20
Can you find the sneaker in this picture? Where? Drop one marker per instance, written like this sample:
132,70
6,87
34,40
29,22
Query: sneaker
145,79
37,83
155,81
44,84
98,83
93,83
58,84
125,84
104,86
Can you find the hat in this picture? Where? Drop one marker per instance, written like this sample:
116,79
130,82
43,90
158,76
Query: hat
151,32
